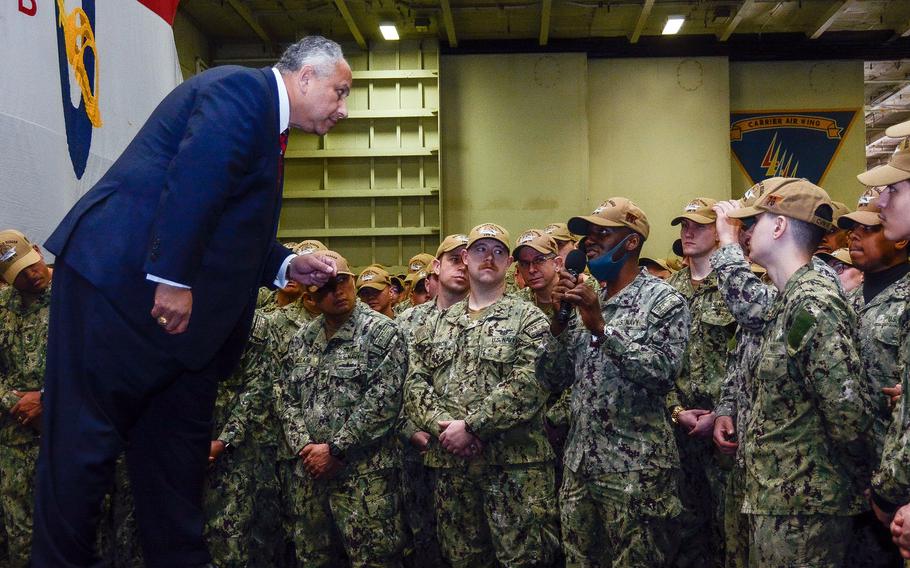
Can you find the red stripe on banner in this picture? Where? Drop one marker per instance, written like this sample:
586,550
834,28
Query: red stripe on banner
167,9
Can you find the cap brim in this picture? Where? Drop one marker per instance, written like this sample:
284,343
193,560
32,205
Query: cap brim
898,130
700,219
580,225
374,285
541,250
744,212
28,259
868,218
497,239
883,175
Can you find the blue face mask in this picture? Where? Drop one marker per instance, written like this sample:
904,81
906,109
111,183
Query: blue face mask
604,268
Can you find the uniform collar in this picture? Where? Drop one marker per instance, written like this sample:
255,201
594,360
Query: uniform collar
284,103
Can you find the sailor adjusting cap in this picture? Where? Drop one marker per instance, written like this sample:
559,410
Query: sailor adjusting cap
451,243
374,277
537,240
614,212
796,198
866,211
897,169
698,210
489,231
16,254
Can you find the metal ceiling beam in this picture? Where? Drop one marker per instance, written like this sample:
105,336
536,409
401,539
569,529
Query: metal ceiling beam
904,30
642,18
546,7
737,18
247,17
449,23
831,15
352,25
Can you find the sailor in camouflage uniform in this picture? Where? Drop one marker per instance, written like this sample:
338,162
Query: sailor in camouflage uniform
891,481
698,386
806,447
749,295
24,312
343,376
472,386
242,465
417,483
619,499
881,304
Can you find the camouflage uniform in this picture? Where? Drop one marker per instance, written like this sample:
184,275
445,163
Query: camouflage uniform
501,505
885,347
749,299
417,480
619,498
704,479
884,324
805,446
241,499
347,391
265,394
23,347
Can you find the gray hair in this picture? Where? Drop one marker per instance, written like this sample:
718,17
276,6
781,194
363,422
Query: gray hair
321,53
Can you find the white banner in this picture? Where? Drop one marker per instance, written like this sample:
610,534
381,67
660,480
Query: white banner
67,114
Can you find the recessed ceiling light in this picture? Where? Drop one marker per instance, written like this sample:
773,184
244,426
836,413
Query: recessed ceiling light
674,23
388,31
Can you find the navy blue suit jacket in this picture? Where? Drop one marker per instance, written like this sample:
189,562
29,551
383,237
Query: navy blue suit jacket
194,199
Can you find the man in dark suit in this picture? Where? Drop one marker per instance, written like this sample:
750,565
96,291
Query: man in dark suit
158,268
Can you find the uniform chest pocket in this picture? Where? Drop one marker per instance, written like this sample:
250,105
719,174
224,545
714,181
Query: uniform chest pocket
887,332
717,315
499,350
436,354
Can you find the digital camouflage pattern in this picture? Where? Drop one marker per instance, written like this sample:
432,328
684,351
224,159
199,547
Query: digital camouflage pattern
511,506
346,390
806,447
620,519
23,349
748,297
884,324
704,469
799,540
483,371
619,497
241,498
499,506
891,480
619,390
417,480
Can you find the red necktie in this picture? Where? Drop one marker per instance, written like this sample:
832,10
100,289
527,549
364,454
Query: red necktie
283,143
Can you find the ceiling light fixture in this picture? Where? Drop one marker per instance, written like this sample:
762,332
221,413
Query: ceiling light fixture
388,31
674,23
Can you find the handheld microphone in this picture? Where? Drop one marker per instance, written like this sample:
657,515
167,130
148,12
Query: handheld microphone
575,265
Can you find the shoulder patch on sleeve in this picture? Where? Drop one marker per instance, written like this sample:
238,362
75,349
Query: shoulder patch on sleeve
663,306
799,330
538,327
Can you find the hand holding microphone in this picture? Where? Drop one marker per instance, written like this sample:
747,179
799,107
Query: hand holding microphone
575,265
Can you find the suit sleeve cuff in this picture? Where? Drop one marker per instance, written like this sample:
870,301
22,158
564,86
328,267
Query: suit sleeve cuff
281,279
160,280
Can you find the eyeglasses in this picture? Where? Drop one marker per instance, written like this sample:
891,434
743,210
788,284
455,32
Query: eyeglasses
536,262
839,267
